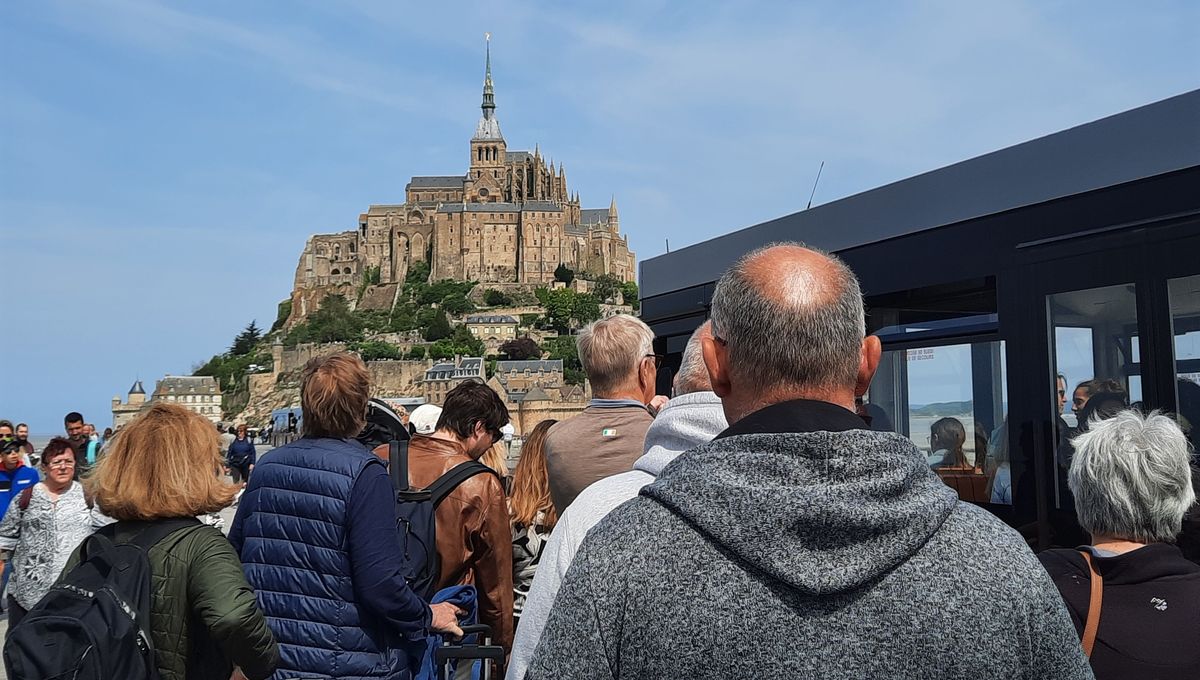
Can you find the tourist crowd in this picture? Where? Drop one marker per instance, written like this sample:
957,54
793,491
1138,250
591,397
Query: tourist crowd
753,524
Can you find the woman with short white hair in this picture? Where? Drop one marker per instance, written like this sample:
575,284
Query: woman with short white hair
1134,598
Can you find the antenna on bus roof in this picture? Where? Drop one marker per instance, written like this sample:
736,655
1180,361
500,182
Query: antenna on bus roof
668,244
814,191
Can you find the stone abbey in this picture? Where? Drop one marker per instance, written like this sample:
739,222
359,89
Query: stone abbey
510,220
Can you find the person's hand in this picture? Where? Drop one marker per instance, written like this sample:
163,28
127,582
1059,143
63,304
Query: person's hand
445,618
238,675
658,402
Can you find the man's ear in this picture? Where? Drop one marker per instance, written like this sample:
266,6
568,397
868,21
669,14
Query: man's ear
716,360
647,379
868,363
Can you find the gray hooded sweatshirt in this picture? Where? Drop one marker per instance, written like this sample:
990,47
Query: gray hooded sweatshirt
805,555
686,421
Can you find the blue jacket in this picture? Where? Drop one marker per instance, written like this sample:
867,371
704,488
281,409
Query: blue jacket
13,483
241,452
293,532
465,598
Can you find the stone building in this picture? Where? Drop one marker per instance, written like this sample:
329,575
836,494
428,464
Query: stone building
199,393
122,413
493,329
445,376
509,219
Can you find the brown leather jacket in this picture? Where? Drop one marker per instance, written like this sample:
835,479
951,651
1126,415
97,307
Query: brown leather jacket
474,538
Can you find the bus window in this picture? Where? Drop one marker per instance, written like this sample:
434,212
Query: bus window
950,401
1184,295
1095,365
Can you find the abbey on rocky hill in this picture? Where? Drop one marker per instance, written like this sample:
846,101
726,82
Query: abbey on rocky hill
509,220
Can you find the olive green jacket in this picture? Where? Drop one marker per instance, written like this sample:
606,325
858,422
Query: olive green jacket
203,615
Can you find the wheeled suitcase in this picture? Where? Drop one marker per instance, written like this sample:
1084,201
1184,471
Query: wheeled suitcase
490,656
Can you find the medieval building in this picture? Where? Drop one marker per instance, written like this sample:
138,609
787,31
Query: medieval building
511,219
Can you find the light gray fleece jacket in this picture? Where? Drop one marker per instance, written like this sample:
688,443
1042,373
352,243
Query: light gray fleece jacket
686,421
805,555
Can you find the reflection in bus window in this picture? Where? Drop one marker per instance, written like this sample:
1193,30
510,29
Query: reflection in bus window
1096,350
1184,294
950,401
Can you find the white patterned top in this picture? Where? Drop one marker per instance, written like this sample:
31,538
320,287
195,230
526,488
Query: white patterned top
41,538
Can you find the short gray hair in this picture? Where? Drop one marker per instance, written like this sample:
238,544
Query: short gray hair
809,336
1132,478
693,374
611,349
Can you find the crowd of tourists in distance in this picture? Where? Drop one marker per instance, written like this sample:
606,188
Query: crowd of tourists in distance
751,524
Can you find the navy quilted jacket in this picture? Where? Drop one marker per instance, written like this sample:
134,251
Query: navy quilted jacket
291,532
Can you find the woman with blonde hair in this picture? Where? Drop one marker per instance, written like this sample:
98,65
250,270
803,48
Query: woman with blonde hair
203,616
531,511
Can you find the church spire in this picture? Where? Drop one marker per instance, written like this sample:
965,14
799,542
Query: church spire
488,126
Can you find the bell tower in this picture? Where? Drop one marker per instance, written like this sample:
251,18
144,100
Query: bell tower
487,145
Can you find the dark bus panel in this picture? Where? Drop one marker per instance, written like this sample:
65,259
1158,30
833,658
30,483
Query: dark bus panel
1074,255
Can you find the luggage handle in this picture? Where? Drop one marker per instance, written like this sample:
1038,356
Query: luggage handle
476,629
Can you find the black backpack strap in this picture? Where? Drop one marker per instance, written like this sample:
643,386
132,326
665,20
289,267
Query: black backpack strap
455,476
148,533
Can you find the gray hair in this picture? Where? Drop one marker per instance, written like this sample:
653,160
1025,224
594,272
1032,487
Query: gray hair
805,333
1132,478
693,374
612,349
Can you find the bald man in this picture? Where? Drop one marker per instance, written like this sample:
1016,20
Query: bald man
799,543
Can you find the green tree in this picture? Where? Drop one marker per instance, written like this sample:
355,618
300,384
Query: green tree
495,298
374,350
606,286
417,353
332,322
281,315
530,320
438,327
564,274
564,348
629,291
442,349
465,343
418,273
585,308
246,340
521,349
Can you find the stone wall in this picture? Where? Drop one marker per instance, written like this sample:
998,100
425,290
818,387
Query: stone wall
397,378
525,417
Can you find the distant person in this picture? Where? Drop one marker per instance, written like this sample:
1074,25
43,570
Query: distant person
94,443
798,543
204,620
532,515
424,419
946,439
998,467
7,433
1086,389
316,529
1101,406
43,526
693,416
77,435
291,425
474,541
226,435
605,438
15,476
1132,484
27,447
241,456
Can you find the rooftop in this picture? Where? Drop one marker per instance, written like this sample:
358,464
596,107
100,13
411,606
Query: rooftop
190,384
490,318
533,365
437,182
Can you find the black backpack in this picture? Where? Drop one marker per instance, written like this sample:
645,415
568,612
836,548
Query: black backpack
94,624
415,516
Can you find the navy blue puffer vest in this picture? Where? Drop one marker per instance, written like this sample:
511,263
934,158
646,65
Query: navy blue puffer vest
294,553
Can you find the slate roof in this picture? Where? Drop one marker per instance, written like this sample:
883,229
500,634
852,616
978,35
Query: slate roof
137,388
517,156
437,182
534,365
490,318
190,384
576,229
478,207
542,205
469,367
594,216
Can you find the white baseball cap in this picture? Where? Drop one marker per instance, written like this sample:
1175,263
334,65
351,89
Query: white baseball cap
424,418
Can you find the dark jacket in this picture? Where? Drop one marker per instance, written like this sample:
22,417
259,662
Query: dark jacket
474,538
327,574
796,546
1149,613
203,616
241,453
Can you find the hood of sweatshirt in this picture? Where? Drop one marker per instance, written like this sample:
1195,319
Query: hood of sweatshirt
686,421
821,512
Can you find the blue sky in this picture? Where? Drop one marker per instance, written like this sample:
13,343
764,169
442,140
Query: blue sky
161,165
